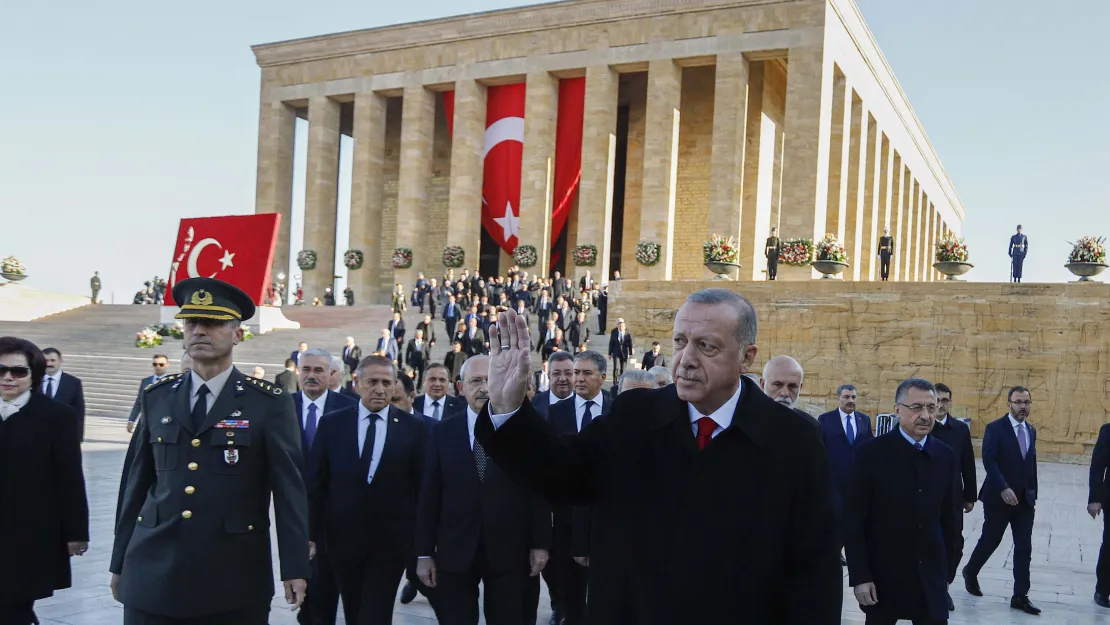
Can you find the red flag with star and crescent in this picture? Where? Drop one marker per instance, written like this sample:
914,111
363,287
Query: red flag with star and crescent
502,153
238,249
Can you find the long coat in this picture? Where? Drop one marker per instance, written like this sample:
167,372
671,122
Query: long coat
42,494
900,524
741,532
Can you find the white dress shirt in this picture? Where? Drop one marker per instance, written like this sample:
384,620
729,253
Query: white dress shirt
553,399
379,436
722,416
8,408
306,402
56,380
215,386
580,408
430,409
471,420
844,416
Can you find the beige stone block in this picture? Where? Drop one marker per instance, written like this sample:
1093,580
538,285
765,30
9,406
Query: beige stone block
417,130
274,187
692,186
871,183
839,156
594,217
541,108
321,194
728,136
660,169
758,168
373,280
464,205
854,183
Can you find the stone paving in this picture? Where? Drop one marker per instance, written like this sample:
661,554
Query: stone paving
1065,547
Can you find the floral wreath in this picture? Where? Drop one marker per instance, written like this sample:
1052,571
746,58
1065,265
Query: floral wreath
796,252
402,258
525,256
306,259
453,256
353,259
648,253
584,255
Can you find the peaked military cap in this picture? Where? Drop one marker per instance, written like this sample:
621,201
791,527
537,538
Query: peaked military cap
209,298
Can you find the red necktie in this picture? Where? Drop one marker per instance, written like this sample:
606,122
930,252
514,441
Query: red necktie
705,431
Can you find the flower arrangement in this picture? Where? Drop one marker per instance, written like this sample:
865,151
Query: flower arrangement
584,255
352,259
796,252
247,334
11,265
176,330
306,259
648,253
147,338
525,256
1088,250
453,256
402,258
829,248
951,249
719,249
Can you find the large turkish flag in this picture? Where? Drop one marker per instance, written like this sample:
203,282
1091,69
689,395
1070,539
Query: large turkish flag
237,249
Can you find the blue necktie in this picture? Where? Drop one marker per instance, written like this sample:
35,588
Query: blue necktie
587,416
851,431
310,427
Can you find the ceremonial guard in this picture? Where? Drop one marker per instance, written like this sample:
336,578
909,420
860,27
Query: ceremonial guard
771,251
1019,247
192,542
886,252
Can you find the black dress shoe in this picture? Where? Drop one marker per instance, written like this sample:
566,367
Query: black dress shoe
1102,600
408,593
556,619
971,584
951,606
1023,604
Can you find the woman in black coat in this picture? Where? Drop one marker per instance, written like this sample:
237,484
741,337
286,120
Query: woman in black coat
42,486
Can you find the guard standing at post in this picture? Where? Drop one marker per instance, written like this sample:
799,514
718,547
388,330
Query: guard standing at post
886,252
1019,247
771,251
192,542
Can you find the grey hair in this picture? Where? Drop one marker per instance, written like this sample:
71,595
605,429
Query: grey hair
636,375
662,371
594,357
558,357
919,383
846,387
747,321
466,365
336,363
318,352
375,361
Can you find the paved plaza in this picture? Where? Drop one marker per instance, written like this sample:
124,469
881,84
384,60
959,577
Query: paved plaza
1065,547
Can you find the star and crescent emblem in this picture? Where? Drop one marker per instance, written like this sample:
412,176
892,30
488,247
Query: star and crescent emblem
191,255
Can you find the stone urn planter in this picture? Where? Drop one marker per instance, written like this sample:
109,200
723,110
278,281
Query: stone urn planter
829,268
13,277
725,271
952,268
1084,271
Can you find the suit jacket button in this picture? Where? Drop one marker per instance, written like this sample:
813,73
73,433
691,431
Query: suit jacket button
159,439
187,514
250,528
189,490
193,466
140,519
196,442
231,442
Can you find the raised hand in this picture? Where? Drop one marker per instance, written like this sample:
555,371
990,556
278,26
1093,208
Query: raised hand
510,351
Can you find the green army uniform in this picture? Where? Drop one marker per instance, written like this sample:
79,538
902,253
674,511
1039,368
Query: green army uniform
94,285
192,538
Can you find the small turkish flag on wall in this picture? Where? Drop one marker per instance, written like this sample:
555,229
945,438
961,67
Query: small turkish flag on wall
237,249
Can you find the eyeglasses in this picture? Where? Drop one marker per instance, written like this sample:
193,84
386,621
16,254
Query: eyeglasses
1022,403
17,372
917,408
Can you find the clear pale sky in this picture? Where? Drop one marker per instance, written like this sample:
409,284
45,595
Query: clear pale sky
117,119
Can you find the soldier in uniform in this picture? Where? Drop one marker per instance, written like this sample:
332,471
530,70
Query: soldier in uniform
94,285
192,542
771,251
886,252
1019,247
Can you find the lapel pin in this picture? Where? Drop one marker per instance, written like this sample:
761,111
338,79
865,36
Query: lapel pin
165,420
237,413
396,420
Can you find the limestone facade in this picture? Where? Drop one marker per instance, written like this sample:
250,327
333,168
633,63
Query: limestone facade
702,117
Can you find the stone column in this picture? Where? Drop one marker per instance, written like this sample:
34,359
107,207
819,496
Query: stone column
839,157
274,185
757,177
914,208
541,107
869,180
321,193
664,102
599,155
897,175
854,183
907,224
371,284
464,202
417,131
886,180
805,184
927,243
726,169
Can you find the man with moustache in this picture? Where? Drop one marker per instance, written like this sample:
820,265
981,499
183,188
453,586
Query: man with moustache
1098,500
957,435
64,388
901,518
711,502
1009,495
782,381
368,461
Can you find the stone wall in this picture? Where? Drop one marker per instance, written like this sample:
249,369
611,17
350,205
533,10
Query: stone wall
979,338
695,148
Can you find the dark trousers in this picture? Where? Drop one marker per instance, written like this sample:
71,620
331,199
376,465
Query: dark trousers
1102,570
21,613
1016,262
503,598
566,579
368,586
884,266
252,616
618,362
996,517
531,597
772,266
322,603
882,620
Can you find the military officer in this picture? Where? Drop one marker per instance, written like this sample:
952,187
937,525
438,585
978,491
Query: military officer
886,252
771,251
193,542
1019,247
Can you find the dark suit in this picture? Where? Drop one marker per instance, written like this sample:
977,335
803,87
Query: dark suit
620,350
454,361
771,250
886,251
542,403
449,404
72,394
288,381
389,346
476,530
957,435
900,522
451,317
674,536
157,544
474,345
42,493
135,411
417,357
543,311
369,527
1019,247
652,359
295,355
429,332
577,334
1100,493
351,356
566,579
841,454
1006,468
